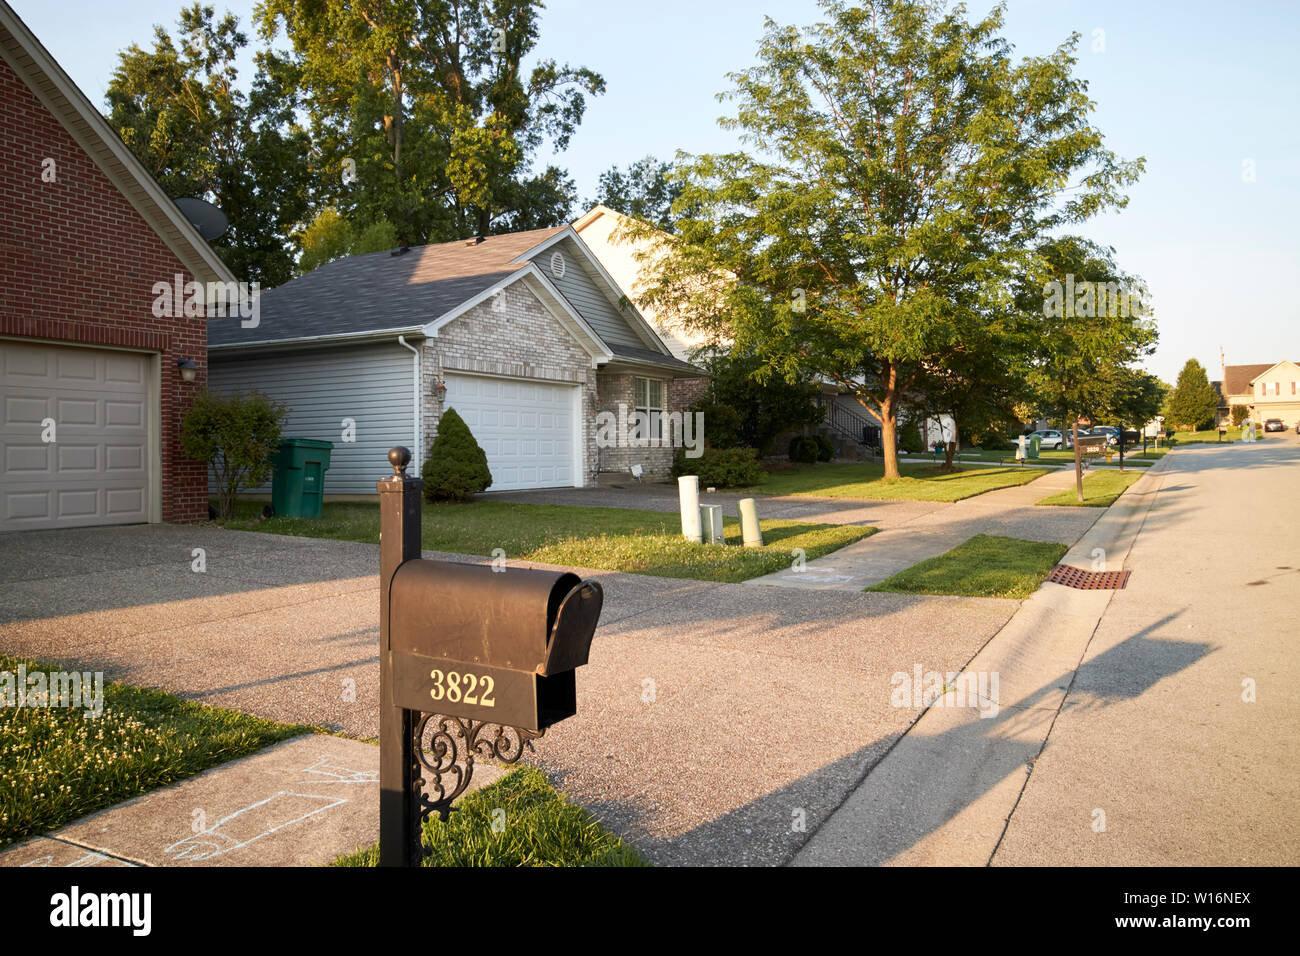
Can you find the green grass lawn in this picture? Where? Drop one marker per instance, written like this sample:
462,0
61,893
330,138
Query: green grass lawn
518,821
616,539
1211,436
59,763
984,566
919,482
1100,489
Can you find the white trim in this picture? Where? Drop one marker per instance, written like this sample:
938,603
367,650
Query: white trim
417,413
270,345
154,432
104,133
611,287
558,307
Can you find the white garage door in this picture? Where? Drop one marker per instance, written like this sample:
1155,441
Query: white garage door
96,470
526,428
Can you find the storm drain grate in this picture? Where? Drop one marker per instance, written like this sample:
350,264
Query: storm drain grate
1088,580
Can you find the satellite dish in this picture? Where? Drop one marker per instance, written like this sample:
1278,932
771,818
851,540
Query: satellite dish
210,221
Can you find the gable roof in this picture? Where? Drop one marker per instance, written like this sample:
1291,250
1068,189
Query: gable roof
1237,378
420,290
61,97
1254,378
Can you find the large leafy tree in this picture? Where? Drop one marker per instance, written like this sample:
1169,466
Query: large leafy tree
178,108
1088,346
900,168
430,104
1193,401
645,191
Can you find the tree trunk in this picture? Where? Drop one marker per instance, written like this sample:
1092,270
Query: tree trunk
889,423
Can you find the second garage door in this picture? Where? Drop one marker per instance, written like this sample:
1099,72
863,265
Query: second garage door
528,429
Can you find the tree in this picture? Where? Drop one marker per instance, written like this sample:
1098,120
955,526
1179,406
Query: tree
330,237
1239,413
457,468
1086,350
177,107
429,102
903,168
1193,402
646,191
237,435
762,410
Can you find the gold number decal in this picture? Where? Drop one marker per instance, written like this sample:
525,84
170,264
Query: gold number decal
472,680
453,687
484,699
436,691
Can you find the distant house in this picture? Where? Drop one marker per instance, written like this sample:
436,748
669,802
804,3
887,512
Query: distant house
1266,391
526,335
91,392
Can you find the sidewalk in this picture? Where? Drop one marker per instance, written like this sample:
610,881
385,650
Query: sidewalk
943,794
1007,511
303,802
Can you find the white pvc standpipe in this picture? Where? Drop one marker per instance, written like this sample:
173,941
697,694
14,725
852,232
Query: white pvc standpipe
688,493
749,528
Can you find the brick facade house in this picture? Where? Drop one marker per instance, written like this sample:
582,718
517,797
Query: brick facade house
524,334
89,378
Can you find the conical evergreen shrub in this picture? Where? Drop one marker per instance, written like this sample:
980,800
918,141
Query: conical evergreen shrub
457,467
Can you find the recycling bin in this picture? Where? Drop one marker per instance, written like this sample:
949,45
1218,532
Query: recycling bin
298,485
1034,442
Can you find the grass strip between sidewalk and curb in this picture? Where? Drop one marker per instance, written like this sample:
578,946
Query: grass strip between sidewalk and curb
984,566
520,820
1101,489
60,763
614,539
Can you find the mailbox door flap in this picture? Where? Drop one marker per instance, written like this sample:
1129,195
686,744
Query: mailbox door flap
575,625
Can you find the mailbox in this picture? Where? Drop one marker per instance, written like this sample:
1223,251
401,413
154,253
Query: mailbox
500,647
473,660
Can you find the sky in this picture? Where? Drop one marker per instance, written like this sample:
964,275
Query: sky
1208,93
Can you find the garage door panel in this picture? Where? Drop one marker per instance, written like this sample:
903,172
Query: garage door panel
97,469
526,429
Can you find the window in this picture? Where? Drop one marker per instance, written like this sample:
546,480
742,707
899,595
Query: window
648,397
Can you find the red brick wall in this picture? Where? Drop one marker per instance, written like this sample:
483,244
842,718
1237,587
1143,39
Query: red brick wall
78,264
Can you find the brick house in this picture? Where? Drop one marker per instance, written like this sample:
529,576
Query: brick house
90,395
524,334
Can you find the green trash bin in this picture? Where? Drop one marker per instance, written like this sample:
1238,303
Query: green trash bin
1034,442
298,485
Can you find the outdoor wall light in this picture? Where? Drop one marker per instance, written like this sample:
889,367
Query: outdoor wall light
439,389
189,371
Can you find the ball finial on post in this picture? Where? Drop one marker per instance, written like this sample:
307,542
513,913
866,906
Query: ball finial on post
399,458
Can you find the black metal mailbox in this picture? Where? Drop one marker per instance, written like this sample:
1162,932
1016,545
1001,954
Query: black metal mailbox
499,647
472,661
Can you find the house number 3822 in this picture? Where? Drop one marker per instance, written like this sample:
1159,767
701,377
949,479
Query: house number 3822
463,688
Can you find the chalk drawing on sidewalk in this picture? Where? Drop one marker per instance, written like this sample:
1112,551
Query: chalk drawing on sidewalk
250,824
86,859
324,770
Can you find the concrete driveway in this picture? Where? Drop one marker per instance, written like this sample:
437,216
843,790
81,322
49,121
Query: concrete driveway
718,723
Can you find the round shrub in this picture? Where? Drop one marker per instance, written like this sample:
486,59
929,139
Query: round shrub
457,467
825,450
909,438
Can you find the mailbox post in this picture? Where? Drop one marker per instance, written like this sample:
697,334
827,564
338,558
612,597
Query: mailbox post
472,662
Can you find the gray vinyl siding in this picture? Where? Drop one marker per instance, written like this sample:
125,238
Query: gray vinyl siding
371,384
580,287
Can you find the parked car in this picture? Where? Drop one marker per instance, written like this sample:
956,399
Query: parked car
1274,425
1051,438
1110,431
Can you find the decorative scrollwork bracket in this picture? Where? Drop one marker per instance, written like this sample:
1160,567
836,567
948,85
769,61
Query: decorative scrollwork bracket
443,749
